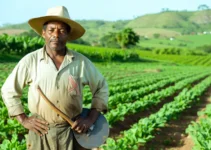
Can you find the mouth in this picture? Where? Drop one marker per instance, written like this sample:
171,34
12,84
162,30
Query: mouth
55,41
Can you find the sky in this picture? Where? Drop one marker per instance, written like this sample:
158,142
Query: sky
20,11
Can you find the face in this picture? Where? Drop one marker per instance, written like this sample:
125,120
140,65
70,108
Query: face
55,35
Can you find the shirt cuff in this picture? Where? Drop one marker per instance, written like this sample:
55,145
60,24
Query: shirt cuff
99,106
15,110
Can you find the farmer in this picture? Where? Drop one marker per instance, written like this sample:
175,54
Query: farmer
61,74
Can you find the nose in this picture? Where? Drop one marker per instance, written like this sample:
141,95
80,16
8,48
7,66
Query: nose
56,33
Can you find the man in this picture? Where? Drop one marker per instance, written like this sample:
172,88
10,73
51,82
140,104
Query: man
61,74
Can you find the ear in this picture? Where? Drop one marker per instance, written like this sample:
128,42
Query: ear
43,33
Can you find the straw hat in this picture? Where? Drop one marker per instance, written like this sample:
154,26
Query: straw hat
59,13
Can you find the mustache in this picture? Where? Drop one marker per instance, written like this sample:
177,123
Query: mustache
55,40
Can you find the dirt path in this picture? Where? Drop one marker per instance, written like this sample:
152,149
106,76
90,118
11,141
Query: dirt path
173,136
129,120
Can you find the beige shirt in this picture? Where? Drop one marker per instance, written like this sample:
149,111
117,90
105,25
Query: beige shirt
62,87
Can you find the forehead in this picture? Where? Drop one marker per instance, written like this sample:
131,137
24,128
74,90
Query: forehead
56,23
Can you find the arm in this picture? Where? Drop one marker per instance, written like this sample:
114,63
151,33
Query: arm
99,89
11,94
32,123
12,89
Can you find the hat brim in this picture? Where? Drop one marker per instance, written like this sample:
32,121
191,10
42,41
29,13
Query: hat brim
76,29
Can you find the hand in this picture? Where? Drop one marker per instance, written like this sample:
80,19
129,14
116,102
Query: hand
81,125
40,127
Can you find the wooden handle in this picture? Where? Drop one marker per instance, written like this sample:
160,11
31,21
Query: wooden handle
54,107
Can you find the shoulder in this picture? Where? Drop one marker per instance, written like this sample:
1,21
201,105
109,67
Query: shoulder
31,57
80,57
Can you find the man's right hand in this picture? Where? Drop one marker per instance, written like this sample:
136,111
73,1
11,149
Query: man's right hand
40,127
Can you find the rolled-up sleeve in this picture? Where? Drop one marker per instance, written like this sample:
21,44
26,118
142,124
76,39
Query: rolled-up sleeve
98,87
12,89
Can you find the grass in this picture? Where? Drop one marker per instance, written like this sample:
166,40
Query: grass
7,58
185,41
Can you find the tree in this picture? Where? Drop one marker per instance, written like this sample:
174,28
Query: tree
109,40
30,33
203,7
126,38
156,35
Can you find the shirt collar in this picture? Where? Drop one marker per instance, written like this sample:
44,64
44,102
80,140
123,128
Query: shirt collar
44,56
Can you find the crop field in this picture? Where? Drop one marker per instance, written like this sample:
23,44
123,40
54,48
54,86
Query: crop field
185,41
152,105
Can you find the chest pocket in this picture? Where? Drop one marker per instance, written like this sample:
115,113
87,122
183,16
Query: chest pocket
73,85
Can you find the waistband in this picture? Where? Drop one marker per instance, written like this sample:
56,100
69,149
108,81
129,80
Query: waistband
60,124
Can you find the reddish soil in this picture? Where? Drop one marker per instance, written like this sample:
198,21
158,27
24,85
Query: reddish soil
171,137
11,31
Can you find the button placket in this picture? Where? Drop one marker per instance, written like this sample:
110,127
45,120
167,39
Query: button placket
57,80
57,103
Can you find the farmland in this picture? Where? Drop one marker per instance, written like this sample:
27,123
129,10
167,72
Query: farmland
159,90
153,103
144,98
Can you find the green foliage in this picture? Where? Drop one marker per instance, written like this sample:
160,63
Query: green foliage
30,33
109,40
127,80
13,144
100,54
123,39
127,37
171,23
206,48
200,130
177,51
156,35
20,45
80,41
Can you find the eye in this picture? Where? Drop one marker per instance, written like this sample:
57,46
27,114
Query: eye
63,31
50,30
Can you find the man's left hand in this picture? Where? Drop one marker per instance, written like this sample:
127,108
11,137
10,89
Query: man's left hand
81,125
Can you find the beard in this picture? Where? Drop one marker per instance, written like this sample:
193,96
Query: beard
56,45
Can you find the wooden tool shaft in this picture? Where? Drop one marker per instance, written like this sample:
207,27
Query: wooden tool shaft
64,116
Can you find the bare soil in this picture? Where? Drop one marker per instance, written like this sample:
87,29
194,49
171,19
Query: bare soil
11,31
173,136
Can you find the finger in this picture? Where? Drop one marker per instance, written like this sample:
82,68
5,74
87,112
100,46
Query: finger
84,130
37,132
43,126
78,129
40,127
81,127
42,131
42,121
75,124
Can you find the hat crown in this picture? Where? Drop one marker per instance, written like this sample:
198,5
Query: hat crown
59,11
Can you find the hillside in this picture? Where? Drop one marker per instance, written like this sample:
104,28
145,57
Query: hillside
167,24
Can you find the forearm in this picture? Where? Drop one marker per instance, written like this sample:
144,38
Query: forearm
93,115
40,127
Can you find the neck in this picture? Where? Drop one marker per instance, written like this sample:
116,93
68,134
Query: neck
56,53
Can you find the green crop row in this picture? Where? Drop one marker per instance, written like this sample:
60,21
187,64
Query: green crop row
20,45
200,131
142,131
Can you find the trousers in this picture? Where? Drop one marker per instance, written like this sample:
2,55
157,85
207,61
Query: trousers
59,137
